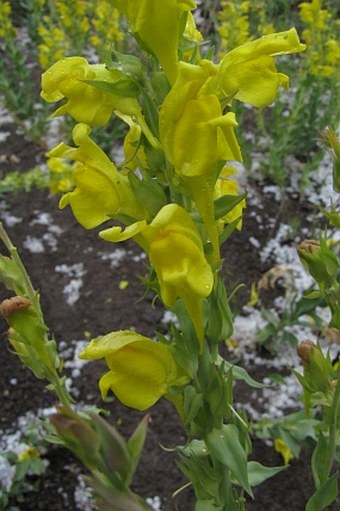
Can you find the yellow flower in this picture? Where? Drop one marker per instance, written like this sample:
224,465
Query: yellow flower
312,14
248,72
282,448
157,25
85,102
60,179
175,249
227,186
196,136
174,246
141,370
101,190
133,149
28,454
202,136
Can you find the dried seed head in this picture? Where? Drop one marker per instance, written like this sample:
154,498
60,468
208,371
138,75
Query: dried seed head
12,305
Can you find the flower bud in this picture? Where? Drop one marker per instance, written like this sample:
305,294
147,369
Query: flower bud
319,260
330,140
318,369
305,350
78,436
12,305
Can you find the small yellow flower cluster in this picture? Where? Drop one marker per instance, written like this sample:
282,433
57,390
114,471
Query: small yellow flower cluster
240,22
7,31
72,26
234,24
54,45
104,33
60,180
322,38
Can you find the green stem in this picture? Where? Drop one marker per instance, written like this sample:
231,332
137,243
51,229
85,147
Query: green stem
31,292
333,428
50,372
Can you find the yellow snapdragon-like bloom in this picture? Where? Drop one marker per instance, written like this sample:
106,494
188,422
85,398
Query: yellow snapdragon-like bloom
194,132
157,26
141,370
174,246
282,448
101,191
175,249
248,73
196,135
85,102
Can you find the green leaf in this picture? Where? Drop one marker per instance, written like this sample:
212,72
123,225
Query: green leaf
228,230
225,446
122,87
135,446
313,295
207,505
239,373
195,464
307,304
113,447
319,461
129,64
223,205
11,276
220,321
262,336
148,192
324,495
192,402
258,473
289,337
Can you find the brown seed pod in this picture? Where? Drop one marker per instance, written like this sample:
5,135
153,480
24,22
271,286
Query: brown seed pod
12,305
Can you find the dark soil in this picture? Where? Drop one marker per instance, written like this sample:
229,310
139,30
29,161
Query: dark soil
104,307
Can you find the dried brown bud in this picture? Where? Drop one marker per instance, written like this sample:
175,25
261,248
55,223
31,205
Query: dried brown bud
305,349
308,245
12,305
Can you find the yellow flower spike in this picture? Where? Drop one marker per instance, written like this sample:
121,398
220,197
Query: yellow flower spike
101,190
141,370
157,25
175,250
248,72
85,102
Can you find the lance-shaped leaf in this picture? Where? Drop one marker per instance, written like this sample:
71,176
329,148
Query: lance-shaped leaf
225,446
258,473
